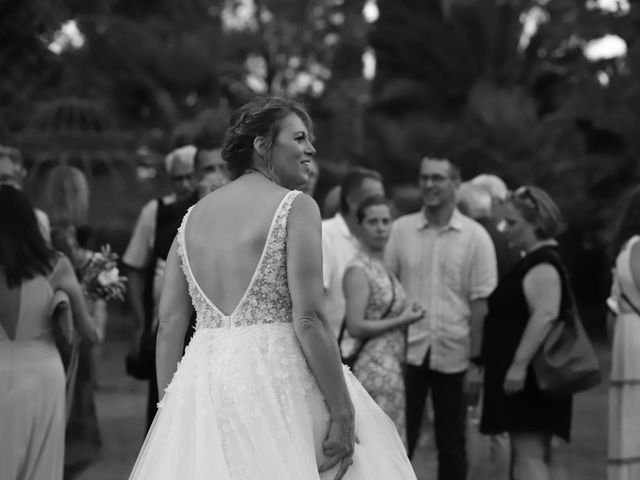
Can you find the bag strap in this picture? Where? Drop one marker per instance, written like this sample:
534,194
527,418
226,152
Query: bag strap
568,302
387,311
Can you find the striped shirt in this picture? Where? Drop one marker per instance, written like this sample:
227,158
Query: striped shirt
443,269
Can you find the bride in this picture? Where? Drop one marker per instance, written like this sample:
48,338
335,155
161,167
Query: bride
260,392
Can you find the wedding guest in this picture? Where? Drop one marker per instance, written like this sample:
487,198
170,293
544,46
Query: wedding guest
331,202
67,200
521,311
624,388
377,313
209,157
447,263
477,203
493,463
339,243
32,379
144,272
13,172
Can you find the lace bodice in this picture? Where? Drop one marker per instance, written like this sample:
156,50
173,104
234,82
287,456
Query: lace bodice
267,299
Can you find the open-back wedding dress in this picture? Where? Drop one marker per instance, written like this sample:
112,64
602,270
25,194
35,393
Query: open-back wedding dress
243,403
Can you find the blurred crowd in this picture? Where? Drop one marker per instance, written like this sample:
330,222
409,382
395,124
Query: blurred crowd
451,303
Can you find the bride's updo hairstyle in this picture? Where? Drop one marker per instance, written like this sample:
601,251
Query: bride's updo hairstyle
261,117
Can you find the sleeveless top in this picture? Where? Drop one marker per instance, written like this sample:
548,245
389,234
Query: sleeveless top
504,326
267,299
508,308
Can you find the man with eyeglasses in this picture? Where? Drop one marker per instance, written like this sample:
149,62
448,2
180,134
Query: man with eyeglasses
145,269
13,172
447,263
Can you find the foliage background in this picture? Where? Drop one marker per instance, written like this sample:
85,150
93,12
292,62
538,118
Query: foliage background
466,79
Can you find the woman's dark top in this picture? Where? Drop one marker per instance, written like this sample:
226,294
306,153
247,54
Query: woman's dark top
529,410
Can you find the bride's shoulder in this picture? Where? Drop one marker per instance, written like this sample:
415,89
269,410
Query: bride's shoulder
304,205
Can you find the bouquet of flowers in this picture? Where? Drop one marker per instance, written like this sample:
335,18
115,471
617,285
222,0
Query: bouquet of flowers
100,277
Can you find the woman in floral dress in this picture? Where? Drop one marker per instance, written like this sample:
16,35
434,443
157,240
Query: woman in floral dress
377,313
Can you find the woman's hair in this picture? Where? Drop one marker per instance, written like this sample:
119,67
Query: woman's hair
629,222
67,197
370,201
24,253
260,117
538,208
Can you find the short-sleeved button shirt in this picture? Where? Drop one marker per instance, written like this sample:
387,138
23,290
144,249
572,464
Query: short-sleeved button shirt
444,269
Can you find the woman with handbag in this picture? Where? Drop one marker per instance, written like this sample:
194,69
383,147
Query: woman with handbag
624,322
522,310
377,313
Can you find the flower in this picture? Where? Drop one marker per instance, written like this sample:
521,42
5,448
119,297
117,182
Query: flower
100,277
109,277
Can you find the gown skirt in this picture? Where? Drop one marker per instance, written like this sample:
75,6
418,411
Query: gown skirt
243,405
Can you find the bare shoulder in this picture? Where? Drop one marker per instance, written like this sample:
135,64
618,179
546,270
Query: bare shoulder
634,262
543,274
62,268
305,208
355,274
635,252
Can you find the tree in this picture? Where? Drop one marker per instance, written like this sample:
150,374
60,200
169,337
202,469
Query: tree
471,85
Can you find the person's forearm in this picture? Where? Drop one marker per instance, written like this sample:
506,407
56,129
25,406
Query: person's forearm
366,328
135,285
321,352
169,344
479,311
534,334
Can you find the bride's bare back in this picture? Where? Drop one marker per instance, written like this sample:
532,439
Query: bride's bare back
225,236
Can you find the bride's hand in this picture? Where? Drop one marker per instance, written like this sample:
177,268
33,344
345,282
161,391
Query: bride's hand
339,445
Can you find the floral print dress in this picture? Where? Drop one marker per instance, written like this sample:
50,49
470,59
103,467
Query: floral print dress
380,363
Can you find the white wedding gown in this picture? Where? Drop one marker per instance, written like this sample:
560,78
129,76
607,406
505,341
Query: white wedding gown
243,403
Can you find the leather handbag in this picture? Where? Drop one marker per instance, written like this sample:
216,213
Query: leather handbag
566,362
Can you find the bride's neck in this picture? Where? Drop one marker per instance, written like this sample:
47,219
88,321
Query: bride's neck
260,171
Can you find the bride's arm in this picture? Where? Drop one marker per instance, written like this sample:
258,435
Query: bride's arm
175,311
304,269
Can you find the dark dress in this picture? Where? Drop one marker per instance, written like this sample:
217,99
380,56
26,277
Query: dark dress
528,410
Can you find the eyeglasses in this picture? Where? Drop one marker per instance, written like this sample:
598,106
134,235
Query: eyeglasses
524,194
